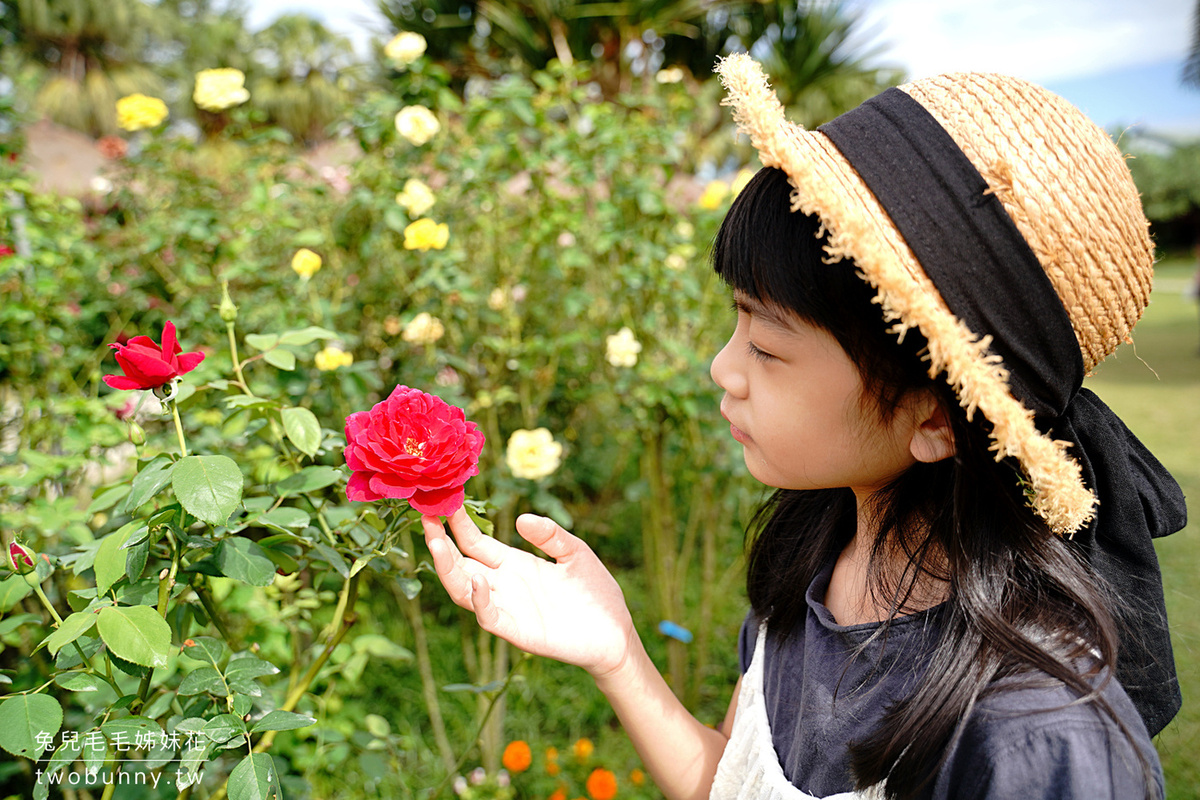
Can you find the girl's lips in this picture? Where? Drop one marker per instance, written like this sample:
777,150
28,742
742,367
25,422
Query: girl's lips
738,434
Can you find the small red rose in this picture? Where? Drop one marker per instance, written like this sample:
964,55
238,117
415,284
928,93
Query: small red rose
6,251
148,366
413,446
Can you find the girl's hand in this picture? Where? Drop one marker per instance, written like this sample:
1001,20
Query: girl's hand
570,609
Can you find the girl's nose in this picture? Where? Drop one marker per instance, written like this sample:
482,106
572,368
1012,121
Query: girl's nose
725,372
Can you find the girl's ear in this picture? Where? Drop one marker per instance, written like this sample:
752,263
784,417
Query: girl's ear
933,438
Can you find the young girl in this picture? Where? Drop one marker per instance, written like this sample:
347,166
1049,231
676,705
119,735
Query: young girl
954,593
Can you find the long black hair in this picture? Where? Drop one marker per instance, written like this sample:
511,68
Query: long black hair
1020,600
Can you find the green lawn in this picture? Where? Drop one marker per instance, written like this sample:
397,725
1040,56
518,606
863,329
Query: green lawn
1154,385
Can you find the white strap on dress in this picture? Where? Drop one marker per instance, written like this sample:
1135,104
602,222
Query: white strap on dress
749,768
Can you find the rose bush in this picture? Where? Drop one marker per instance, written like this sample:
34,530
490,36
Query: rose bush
413,446
148,365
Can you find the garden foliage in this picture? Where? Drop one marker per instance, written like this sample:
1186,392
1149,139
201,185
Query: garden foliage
207,605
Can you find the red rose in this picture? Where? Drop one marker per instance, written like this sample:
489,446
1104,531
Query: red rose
20,559
413,446
6,251
148,366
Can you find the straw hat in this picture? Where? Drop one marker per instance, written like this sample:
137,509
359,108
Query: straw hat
1066,187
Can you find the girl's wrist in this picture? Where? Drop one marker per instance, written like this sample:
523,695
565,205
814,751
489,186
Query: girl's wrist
617,675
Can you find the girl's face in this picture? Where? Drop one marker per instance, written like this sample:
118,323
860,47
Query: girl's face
794,400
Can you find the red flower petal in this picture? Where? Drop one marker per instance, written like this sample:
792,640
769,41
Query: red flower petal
439,503
359,488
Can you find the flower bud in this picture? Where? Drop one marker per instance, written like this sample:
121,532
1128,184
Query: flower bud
136,434
20,559
227,309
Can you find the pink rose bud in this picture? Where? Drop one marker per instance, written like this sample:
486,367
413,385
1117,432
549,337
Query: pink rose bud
20,559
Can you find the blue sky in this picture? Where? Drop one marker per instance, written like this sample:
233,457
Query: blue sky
1117,60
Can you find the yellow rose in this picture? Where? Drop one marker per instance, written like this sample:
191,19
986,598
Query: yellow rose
417,124
713,194
306,263
533,454
425,234
623,348
219,89
332,358
417,198
405,48
669,75
739,182
676,262
423,329
137,111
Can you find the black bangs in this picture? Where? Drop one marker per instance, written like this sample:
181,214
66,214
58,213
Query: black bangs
775,256
765,250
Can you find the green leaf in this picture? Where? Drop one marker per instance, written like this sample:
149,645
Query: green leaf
80,682
410,586
381,647
126,729
201,680
13,590
302,427
10,624
281,359
135,560
110,560
250,667
224,727
243,560
148,482
308,479
255,778
136,633
282,721
285,518
306,335
23,717
108,498
205,648
262,341
309,237
208,487
71,629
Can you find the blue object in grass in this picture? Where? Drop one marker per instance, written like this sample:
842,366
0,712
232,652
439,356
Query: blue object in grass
675,631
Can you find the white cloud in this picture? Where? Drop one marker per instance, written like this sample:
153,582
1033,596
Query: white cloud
1035,39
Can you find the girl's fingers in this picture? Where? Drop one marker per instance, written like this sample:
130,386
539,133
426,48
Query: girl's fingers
473,543
546,535
481,598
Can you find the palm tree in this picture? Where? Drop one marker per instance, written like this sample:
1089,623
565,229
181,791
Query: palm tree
93,52
1191,66
300,75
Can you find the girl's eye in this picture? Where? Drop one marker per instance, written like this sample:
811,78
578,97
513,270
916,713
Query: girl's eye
758,355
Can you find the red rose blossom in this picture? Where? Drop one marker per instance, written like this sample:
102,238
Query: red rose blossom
148,366
413,446
6,251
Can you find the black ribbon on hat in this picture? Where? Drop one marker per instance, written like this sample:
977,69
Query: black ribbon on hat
992,281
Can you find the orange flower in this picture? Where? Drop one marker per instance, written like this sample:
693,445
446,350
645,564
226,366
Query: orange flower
637,777
583,749
602,785
552,768
517,756
552,754
559,794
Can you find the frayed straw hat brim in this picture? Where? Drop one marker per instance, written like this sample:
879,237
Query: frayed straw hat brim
858,228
